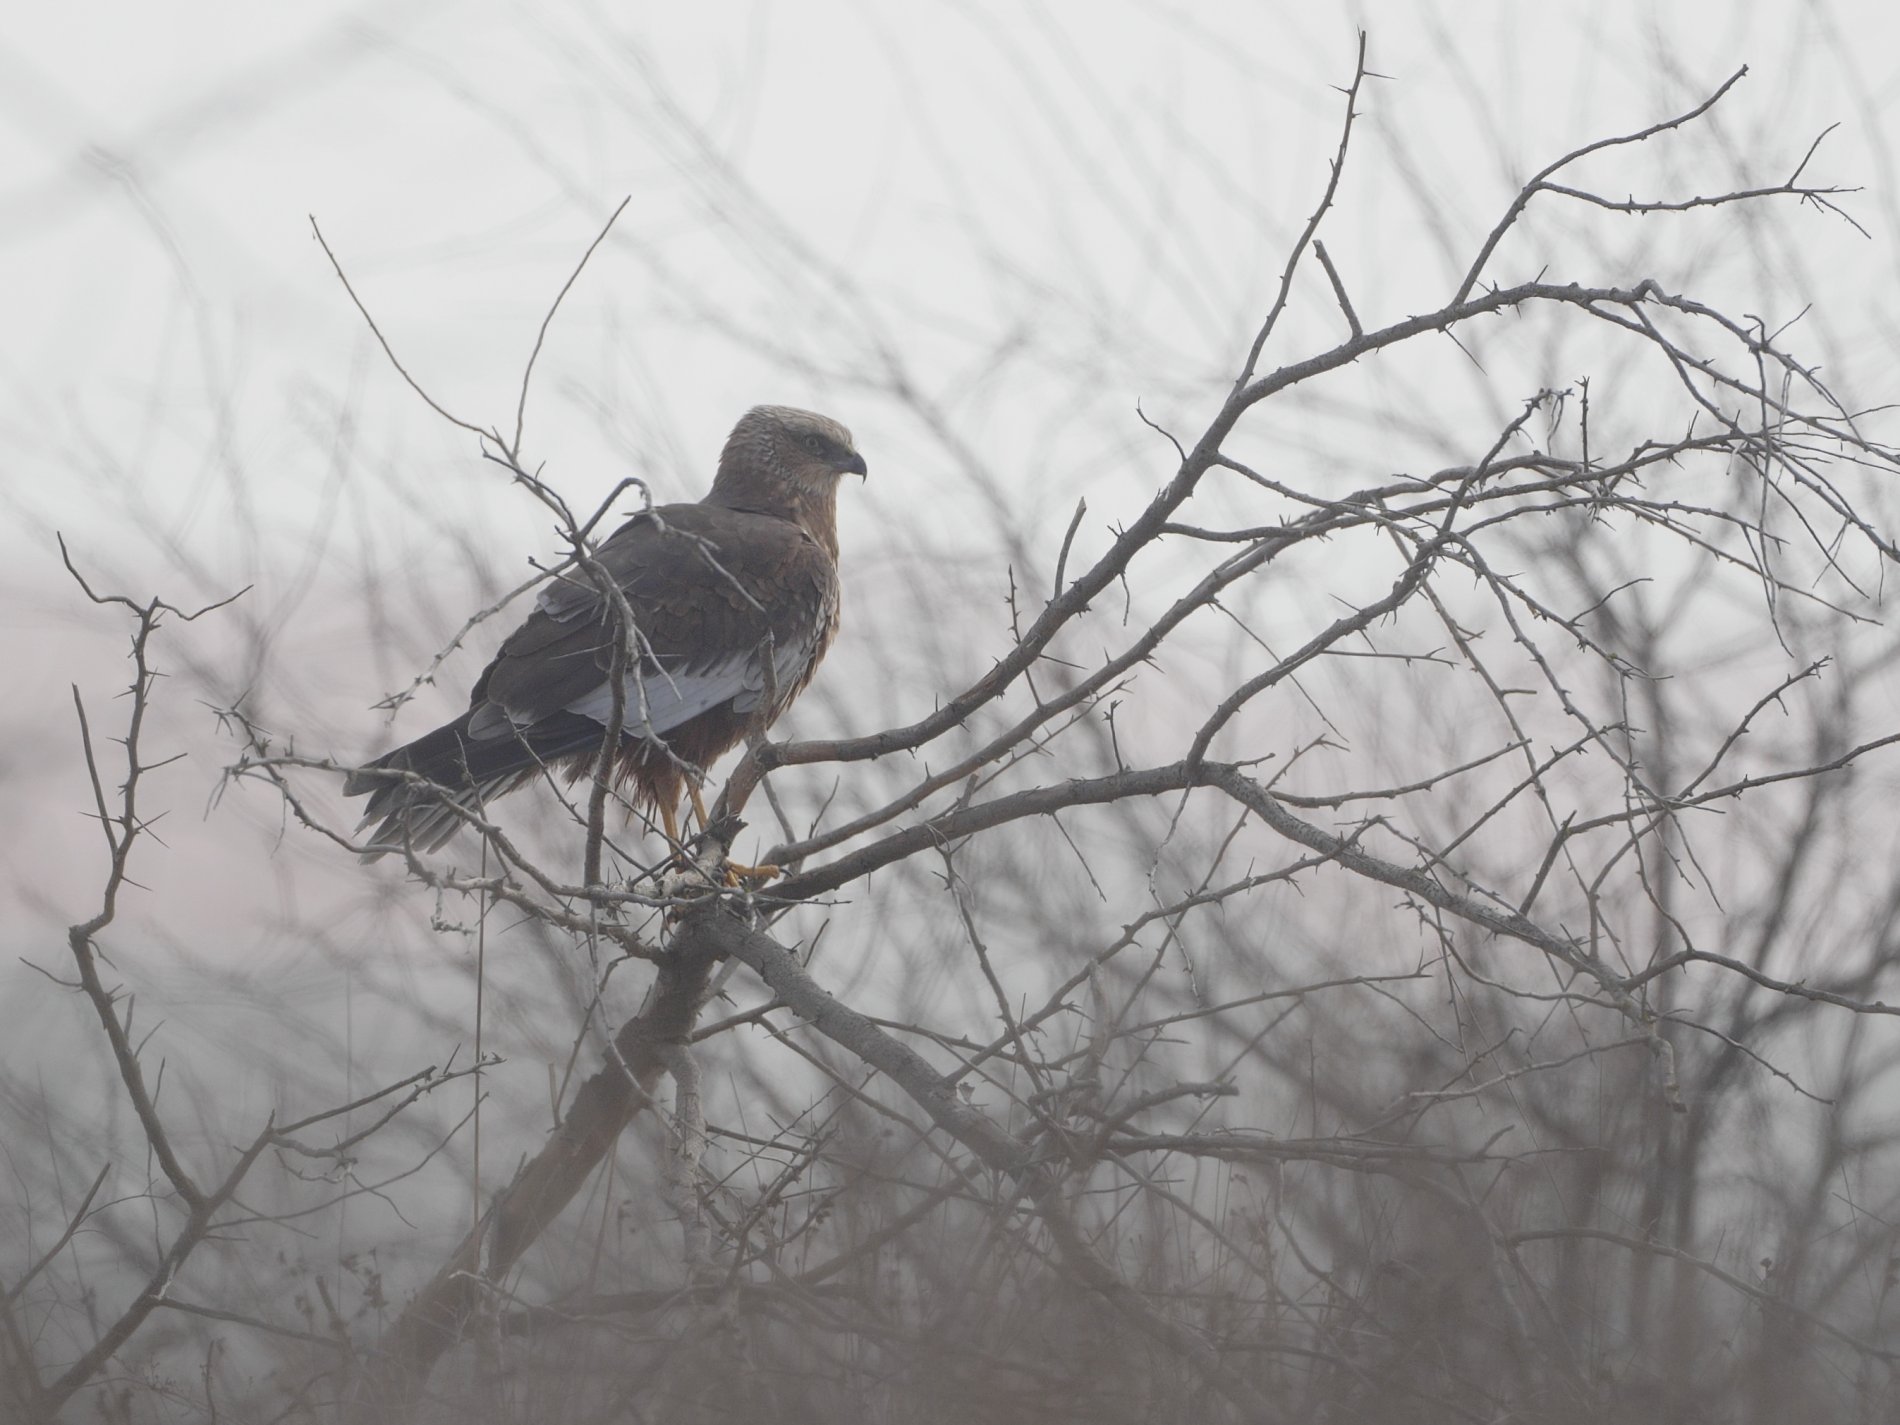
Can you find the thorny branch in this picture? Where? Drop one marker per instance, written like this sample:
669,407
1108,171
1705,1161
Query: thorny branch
1541,907
1444,520
123,824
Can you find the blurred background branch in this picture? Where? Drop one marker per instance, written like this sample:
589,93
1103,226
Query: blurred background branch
1342,866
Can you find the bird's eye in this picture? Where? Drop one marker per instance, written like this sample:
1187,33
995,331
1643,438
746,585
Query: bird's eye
814,443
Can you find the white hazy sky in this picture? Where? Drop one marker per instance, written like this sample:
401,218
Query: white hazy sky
187,394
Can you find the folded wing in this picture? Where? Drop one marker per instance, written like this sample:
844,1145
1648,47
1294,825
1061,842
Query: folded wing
730,612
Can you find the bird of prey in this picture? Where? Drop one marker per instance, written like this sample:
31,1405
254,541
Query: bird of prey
733,602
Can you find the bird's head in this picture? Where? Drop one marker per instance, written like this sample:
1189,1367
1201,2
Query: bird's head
801,448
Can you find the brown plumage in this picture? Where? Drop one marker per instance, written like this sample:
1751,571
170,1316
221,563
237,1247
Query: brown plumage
734,602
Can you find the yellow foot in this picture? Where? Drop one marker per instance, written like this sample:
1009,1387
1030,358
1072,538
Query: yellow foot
737,875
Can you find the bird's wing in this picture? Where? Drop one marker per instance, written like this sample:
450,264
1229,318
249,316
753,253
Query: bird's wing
728,606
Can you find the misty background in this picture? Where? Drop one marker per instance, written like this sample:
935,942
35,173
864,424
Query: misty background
997,241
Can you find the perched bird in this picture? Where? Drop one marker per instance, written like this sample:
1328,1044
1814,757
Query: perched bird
734,601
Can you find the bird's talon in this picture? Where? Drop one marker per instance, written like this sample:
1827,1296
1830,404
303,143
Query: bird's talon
740,877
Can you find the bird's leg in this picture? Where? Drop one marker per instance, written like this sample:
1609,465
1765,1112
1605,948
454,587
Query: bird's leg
688,871
736,874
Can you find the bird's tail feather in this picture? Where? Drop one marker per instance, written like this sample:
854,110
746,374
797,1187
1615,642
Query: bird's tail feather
415,791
